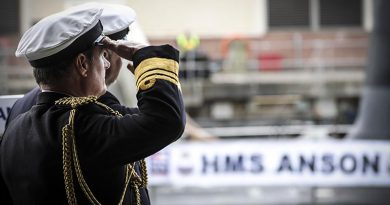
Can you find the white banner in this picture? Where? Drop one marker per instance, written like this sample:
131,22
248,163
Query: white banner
6,102
270,163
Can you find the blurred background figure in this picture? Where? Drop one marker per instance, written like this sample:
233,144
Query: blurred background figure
236,52
194,61
187,42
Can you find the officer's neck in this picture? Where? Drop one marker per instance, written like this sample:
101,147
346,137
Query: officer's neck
60,89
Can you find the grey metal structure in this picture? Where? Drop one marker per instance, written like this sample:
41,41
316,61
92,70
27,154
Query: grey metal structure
374,110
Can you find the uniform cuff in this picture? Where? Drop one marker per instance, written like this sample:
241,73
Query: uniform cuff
156,62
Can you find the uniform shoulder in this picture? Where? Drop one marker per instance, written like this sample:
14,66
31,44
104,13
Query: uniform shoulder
85,105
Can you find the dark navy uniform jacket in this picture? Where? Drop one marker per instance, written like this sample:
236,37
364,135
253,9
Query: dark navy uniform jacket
30,99
31,150
23,104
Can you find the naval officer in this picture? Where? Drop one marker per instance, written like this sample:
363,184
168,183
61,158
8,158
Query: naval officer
70,148
116,20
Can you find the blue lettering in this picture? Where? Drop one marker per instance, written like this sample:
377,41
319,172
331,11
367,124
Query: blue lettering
209,164
257,165
234,164
285,164
372,164
348,159
2,114
306,163
328,166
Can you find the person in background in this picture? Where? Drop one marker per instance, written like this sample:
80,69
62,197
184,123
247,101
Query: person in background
72,148
187,42
195,63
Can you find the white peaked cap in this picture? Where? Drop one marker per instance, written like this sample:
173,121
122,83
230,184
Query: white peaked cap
61,35
115,17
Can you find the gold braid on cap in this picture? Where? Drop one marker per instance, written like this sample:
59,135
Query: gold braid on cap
69,157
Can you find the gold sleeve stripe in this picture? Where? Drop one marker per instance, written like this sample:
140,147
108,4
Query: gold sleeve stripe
156,71
153,63
148,78
149,81
151,69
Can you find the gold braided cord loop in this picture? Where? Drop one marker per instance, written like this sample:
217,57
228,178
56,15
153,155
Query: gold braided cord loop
112,111
69,155
76,101
144,173
67,160
80,177
151,69
137,194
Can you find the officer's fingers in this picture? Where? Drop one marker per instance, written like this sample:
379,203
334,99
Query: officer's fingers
122,48
108,43
130,66
135,45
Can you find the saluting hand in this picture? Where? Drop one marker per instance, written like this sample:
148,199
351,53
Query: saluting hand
124,49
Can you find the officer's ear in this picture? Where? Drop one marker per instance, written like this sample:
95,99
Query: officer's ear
82,64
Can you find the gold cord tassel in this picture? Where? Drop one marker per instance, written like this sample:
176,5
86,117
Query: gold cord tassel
69,155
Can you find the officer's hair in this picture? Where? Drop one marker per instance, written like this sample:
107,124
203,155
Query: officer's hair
53,74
